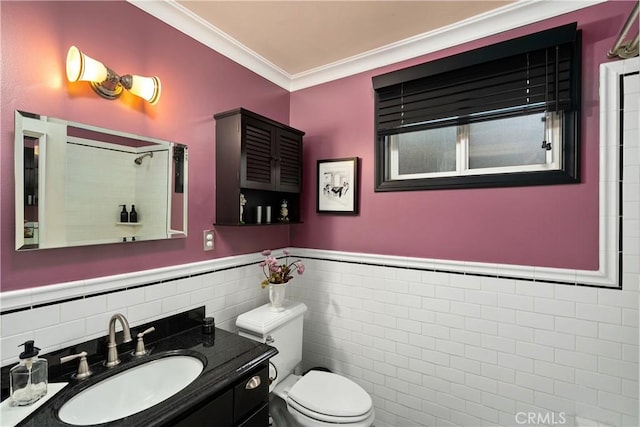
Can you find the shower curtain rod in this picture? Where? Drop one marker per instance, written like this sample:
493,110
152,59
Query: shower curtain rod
630,49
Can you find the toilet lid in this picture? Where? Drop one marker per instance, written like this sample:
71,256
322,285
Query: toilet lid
330,395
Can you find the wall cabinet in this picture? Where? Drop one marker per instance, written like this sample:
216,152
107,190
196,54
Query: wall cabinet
260,158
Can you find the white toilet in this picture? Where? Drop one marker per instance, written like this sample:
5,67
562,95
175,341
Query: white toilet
317,399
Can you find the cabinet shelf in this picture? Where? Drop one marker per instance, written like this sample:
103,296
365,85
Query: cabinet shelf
224,224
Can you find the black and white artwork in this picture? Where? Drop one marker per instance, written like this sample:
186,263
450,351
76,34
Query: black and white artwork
338,186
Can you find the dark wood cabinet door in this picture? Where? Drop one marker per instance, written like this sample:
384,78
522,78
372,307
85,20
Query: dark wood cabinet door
258,155
288,163
219,409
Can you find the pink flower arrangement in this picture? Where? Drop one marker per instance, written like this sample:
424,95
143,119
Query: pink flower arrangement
278,273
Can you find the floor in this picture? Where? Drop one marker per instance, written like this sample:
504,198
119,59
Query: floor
279,415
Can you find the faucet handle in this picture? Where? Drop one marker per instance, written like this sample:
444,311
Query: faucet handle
83,367
140,349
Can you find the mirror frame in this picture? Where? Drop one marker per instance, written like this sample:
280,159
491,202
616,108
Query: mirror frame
40,127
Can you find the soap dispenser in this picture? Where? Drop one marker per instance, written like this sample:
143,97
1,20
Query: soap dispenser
28,379
133,215
124,215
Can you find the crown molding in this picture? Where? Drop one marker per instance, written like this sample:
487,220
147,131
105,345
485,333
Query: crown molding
179,17
511,16
506,18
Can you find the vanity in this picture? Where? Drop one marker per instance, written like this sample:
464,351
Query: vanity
232,389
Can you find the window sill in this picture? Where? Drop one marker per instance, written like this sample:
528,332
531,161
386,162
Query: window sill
479,181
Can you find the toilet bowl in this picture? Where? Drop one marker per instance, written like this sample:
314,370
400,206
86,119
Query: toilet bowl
324,398
318,398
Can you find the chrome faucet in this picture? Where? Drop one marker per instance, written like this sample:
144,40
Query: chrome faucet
112,351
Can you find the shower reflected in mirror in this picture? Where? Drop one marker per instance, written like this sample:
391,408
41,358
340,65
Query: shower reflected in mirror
72,180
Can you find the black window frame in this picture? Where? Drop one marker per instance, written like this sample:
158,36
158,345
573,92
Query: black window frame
569,173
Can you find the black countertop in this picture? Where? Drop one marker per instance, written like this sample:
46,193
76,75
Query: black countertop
228,357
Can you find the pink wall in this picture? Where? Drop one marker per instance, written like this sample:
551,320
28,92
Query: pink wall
554,226
197,83
550,226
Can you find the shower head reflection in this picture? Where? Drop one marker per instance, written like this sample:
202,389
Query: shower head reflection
138,160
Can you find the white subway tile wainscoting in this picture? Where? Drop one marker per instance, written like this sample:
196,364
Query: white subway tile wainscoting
441,349
81,310
432,348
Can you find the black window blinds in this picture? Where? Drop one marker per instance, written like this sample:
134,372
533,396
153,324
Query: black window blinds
534,73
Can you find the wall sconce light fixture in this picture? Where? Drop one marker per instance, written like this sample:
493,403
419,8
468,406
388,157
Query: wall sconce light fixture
106,82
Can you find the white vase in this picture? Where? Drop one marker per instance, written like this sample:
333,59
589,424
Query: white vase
277,293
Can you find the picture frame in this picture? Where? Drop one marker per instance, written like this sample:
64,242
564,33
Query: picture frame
337,186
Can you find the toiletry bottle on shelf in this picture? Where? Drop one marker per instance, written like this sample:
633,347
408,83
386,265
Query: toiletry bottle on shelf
28,379
133,215
124,215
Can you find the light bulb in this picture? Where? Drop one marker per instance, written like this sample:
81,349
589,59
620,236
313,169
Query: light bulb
81,67
147,88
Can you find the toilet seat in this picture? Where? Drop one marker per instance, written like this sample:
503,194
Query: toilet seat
329,398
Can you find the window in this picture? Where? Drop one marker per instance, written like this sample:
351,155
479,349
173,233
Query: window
496,146
503,115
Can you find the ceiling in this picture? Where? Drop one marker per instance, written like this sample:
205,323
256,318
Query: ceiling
301,43
298,36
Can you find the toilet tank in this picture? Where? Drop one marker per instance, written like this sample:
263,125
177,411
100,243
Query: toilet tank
282,330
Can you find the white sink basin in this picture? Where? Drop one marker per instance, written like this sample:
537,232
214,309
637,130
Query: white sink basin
131,391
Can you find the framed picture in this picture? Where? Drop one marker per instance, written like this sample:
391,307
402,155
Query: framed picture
337,189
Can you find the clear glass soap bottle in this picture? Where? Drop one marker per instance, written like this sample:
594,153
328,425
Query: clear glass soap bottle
28,379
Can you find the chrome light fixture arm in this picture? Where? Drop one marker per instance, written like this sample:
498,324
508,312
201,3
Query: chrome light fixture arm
111,87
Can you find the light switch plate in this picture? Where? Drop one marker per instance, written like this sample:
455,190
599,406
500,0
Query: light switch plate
207,240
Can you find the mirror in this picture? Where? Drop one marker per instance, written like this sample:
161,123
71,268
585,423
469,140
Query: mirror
73,180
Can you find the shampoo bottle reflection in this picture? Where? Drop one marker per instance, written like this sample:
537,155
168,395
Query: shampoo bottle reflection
28,379
124,215
133,215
